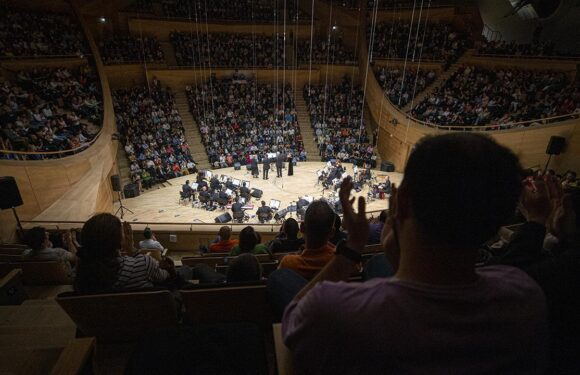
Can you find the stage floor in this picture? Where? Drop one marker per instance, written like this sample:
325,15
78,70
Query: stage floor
162,205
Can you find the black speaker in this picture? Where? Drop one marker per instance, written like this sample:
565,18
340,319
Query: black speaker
280,214
387,166
237,166
131,191
9,193
556,145
224,218
257,193
116,182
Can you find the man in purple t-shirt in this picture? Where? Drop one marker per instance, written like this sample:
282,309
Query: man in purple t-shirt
438,314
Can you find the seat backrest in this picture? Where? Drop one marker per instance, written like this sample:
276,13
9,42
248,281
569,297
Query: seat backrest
119,317
12,246
210,261
153,253
373,248
43,272
12,250
10,258
248,303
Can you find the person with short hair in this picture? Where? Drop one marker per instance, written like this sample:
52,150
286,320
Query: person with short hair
287,240
150,242
249,243
265,168
223,243
438,314
40,248
244,268
318,229
264,212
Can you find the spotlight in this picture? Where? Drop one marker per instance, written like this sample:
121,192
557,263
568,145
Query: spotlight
102,19
334,28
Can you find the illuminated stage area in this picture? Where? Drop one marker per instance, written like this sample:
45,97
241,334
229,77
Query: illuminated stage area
163,205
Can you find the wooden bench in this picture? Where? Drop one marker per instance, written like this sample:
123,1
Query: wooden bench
12,250
223,261
244,302
119,317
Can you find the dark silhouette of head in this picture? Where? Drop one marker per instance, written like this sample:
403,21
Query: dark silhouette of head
318,224
244,267
36,238
225,233
248,239
291,228
148,233
461,188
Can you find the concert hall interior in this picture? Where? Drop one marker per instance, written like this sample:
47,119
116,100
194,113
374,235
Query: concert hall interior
289,186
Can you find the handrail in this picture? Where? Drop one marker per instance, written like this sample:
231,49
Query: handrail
263,225
514,56
73,150
35,57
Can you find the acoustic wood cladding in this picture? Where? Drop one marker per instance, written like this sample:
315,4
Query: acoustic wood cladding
162,28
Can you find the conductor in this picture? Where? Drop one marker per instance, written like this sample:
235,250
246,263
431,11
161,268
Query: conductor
279,164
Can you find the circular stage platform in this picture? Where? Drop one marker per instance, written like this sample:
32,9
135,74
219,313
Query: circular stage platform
161,205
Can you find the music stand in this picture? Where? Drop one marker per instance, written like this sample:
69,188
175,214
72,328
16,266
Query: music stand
275,204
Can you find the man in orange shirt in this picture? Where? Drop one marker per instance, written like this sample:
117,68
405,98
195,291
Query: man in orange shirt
318,229
224,244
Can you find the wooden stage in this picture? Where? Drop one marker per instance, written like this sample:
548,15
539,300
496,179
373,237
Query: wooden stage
162,205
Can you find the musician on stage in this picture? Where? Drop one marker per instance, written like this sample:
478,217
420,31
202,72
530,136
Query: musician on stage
255,170
237,211
265,168
279,164
245,191
187,190
264,213
230,185
214,183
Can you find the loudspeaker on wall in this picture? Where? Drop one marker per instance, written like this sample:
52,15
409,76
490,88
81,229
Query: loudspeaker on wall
9,193
556,145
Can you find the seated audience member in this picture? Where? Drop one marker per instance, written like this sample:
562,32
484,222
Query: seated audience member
376,229
150,242
102,268
550,211
570,180
223,242
40,247
249,243
438,314
318,229
244,268
287,240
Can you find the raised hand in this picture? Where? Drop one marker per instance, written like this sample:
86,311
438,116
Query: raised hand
356,224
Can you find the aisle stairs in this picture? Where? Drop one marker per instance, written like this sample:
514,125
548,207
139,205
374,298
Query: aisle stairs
305,127
192,134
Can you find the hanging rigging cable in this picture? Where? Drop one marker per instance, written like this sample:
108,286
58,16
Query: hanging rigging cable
326,88
143,55
209,65
369,58
407,50
311,38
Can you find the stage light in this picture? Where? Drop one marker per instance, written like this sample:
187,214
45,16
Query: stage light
334,28
102,19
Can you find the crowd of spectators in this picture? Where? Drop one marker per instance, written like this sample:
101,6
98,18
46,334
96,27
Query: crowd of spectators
436,41
246,10
24,33
336,116
43,109
325,51
153,134
228,49
140,6
537,49
130,49
477,96
241,119
401,86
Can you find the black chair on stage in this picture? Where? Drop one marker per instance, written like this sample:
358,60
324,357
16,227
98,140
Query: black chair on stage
222,203
183,196
239,217
204,200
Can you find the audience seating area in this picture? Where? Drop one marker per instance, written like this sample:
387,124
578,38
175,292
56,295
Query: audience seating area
227,49
402,86
337,119
50,109
256,10
435,41
238,118
153,134
478,96
35,34
325,51
130,49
